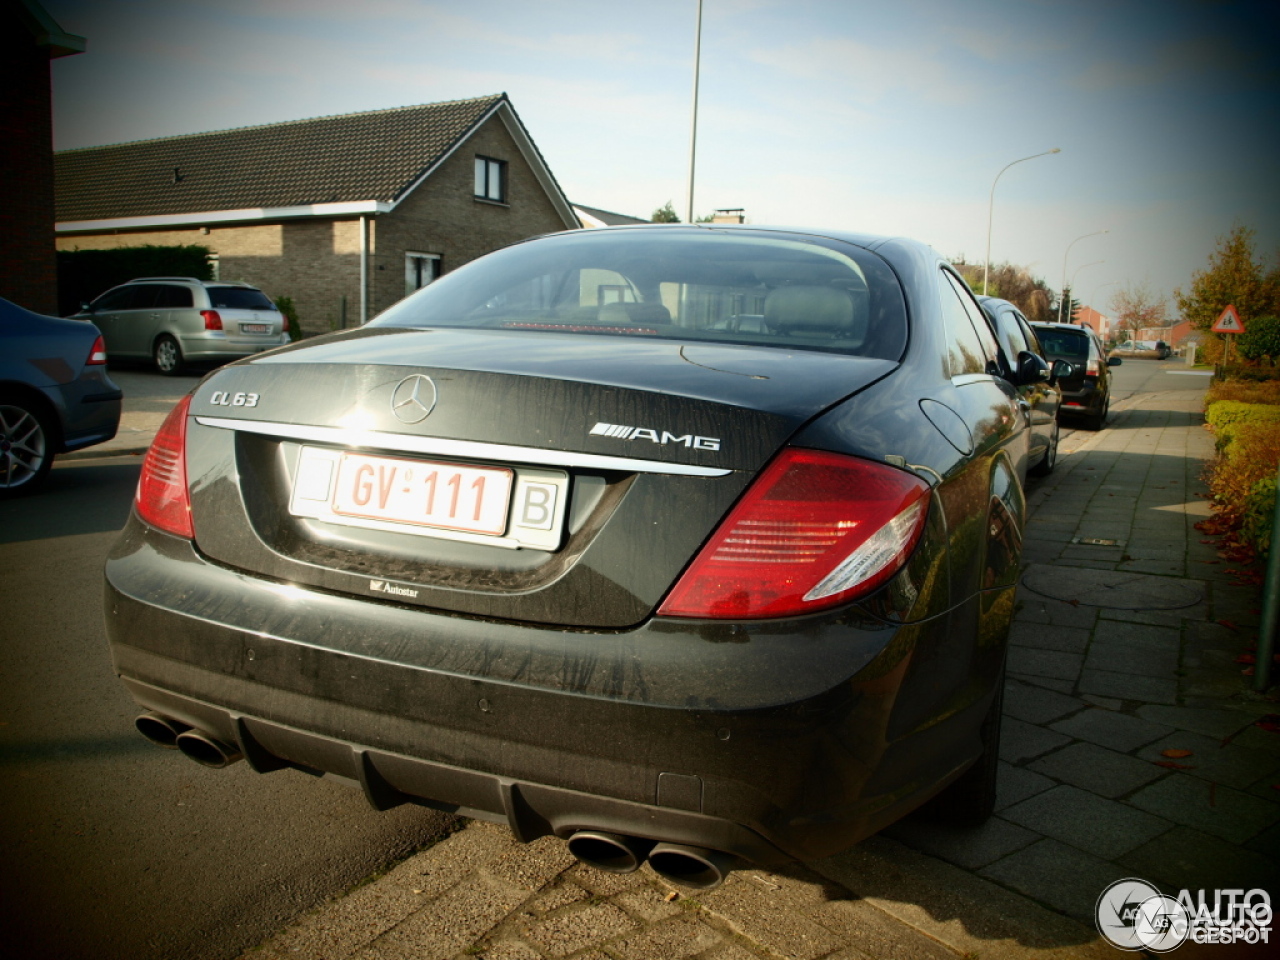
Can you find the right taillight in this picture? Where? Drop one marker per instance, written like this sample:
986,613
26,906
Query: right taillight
814,530
162,499
212,319
1091,368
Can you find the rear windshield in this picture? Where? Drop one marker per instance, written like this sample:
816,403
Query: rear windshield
1063,343
239,298
695,285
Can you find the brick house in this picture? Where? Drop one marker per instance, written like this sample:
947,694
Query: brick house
344,214
29,39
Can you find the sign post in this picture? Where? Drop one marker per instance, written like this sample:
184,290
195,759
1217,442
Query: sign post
1228,322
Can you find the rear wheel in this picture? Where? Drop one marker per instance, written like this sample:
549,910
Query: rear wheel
168,356
26,447
1099,419
1046,465
970,800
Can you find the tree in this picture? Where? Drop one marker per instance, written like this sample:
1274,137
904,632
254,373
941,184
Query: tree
1029,294
1235,277
1260,339
665,214
1137,307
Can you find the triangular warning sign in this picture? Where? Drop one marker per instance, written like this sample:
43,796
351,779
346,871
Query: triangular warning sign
1228,322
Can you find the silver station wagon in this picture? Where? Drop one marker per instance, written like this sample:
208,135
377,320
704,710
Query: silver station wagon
173,320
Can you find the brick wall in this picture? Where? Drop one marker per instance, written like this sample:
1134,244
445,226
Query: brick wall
28,265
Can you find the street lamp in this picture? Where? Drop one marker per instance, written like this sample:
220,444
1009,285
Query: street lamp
693,132
1074,274
1096,233
986,268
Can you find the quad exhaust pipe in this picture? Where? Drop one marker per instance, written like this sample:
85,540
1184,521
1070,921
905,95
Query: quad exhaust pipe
695,867
196,744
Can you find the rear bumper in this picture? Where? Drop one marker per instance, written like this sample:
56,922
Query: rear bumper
462,715
225,349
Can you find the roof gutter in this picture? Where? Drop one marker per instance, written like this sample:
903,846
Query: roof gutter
249,214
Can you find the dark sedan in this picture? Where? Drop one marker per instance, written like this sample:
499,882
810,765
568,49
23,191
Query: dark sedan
1025,365
55,395
683,543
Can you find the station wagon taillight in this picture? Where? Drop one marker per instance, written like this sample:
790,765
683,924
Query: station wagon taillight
162,499
97,353
212,319
814,530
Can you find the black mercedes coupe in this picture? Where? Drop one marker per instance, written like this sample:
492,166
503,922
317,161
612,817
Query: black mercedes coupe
683,543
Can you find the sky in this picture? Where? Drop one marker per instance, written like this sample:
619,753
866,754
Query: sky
888,117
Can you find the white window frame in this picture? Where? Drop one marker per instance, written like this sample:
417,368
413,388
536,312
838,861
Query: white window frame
413,272
491,179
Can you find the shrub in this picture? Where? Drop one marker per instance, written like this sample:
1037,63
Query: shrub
1249,458
1242,391
1257,514
286,307
1260,339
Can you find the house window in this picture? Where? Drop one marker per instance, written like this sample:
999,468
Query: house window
491,179
419,270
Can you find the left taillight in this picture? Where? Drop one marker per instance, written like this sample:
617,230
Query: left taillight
815,530
212,319
162,499
97,353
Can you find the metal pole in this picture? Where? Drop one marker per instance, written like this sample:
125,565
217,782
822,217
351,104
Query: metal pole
693,131
1270,602
364,270
991,203
1096,233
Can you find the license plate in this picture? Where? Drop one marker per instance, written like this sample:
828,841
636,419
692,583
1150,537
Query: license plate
446,495
255,328
513,507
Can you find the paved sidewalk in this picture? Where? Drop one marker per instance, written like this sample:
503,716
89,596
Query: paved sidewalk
1123,648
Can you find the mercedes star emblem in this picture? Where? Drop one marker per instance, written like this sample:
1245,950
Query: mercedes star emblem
413,398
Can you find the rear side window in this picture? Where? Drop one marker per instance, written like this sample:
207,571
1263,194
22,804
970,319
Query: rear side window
238,298
700,285
1064,343
133,297
173,297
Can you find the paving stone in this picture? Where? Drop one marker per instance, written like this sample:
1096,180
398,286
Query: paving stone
1137,634
1212,723
1118,731
1187,859
646,903
1133,658
1221,811
1049,636
1036,705
871,932
1021,741
1267,843
1058,875
1097,769
1212,759
785,930
1017,783
575,929
1106,703
672,940
1128,686
1103,827
447,925
1034,608
1044,663
969,847
1048,683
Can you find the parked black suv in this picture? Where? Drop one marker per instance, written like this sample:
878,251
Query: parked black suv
1086,390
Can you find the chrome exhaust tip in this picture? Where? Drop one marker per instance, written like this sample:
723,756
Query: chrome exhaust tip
161,730
695,867
612,852
205,750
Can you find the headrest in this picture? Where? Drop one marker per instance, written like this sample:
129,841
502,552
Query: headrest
812,309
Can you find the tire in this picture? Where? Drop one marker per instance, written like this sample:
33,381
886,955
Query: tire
168,356
26,447
1099,420
971,800
1050,460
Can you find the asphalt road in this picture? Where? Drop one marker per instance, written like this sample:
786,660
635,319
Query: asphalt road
111,847
114,848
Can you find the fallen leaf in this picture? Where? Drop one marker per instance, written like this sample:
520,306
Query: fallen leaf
1175,754
1246,658
1074,603
1270,723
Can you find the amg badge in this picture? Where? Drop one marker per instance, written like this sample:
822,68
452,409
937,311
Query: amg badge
621,432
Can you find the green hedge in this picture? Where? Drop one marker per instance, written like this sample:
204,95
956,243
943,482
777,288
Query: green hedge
85,274
1226,416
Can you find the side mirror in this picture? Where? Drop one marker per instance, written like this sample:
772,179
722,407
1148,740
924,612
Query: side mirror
1032,369
85,308
1114,361
1062,369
